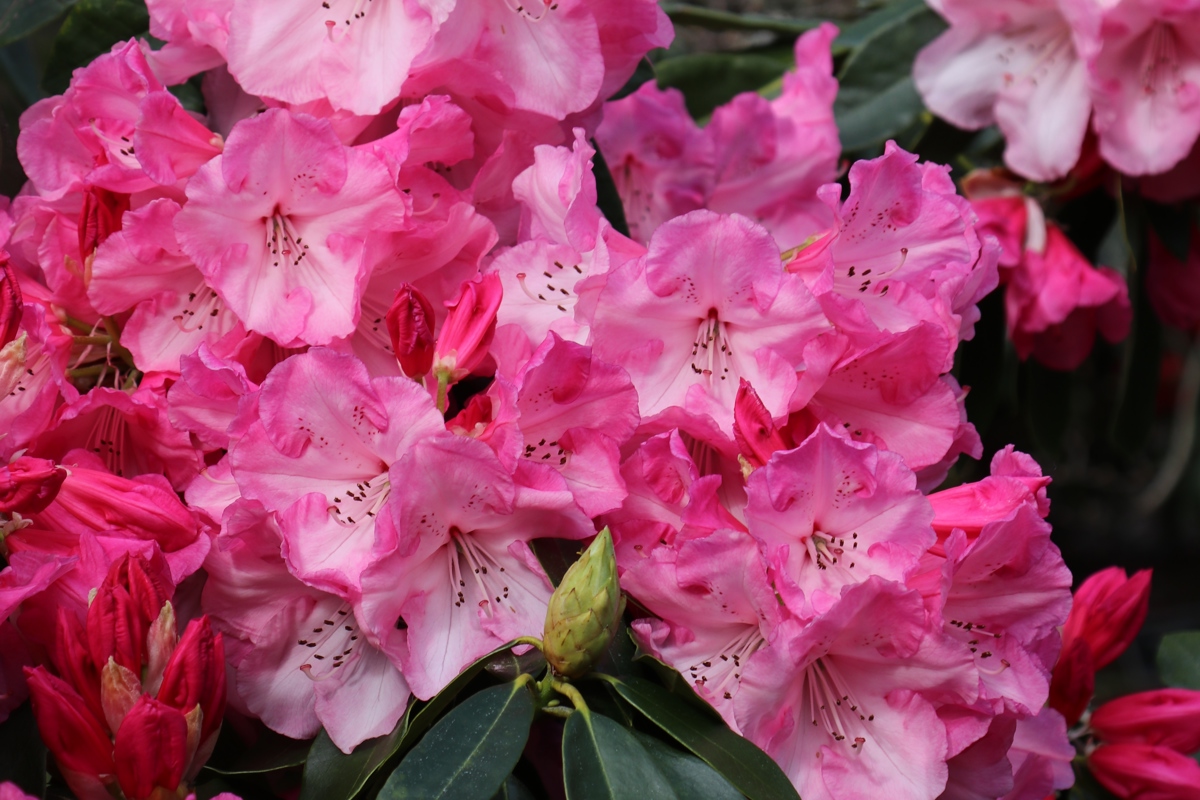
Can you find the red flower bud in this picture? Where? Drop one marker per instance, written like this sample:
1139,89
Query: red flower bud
410,325
1145,771
195,675
755,432
467,334
1108,611
77,739
115,629
28,485
99,217
11,301
1073,681
151,749
74,662
1165,717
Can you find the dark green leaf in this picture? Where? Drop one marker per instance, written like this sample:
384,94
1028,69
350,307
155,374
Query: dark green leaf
22,69
1179,660
20,17
330,774
876,98
602,761
92,28
751,770
468,753
879,117
513,789
715,20
22,754
270,753
892,14
1172,225
688,775
708,80
607,197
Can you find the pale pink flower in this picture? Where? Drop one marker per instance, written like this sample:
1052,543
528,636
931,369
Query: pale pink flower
716,610
833,512
1144,76
463,579
321,455
1013,63
843,703
354,54
1041,756
302,660
287,224
723,310
195,32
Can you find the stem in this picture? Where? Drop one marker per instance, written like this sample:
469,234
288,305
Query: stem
90,340
564,688
530,640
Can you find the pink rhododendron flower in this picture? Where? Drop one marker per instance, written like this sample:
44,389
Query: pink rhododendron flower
354,55
832,513
725,310
1013,63
286,226
302,660
463,580
321,455
716,610
842,703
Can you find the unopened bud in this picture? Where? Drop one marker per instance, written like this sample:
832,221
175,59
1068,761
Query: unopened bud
584,610
120,690
467,333
11,302
410,326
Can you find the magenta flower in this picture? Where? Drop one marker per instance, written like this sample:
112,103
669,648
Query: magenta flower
286,226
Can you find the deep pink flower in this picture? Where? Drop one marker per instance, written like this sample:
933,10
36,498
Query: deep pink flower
1165,717
410,326
467,333
151,749
28,485
287,224
1145,772
1108,611
11,304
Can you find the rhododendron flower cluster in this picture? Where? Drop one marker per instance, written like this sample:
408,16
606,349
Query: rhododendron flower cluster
331,356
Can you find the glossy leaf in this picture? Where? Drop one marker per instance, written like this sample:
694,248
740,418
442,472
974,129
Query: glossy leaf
602,761
859,32
270,753
715,20
748,768
468,754
688,775
1179,660
21,17
513,789
876,98
91,29
330,774
708,80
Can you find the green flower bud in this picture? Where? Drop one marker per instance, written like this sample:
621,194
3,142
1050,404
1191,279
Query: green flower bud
584,611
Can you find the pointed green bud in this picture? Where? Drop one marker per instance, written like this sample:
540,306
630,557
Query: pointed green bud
584,611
